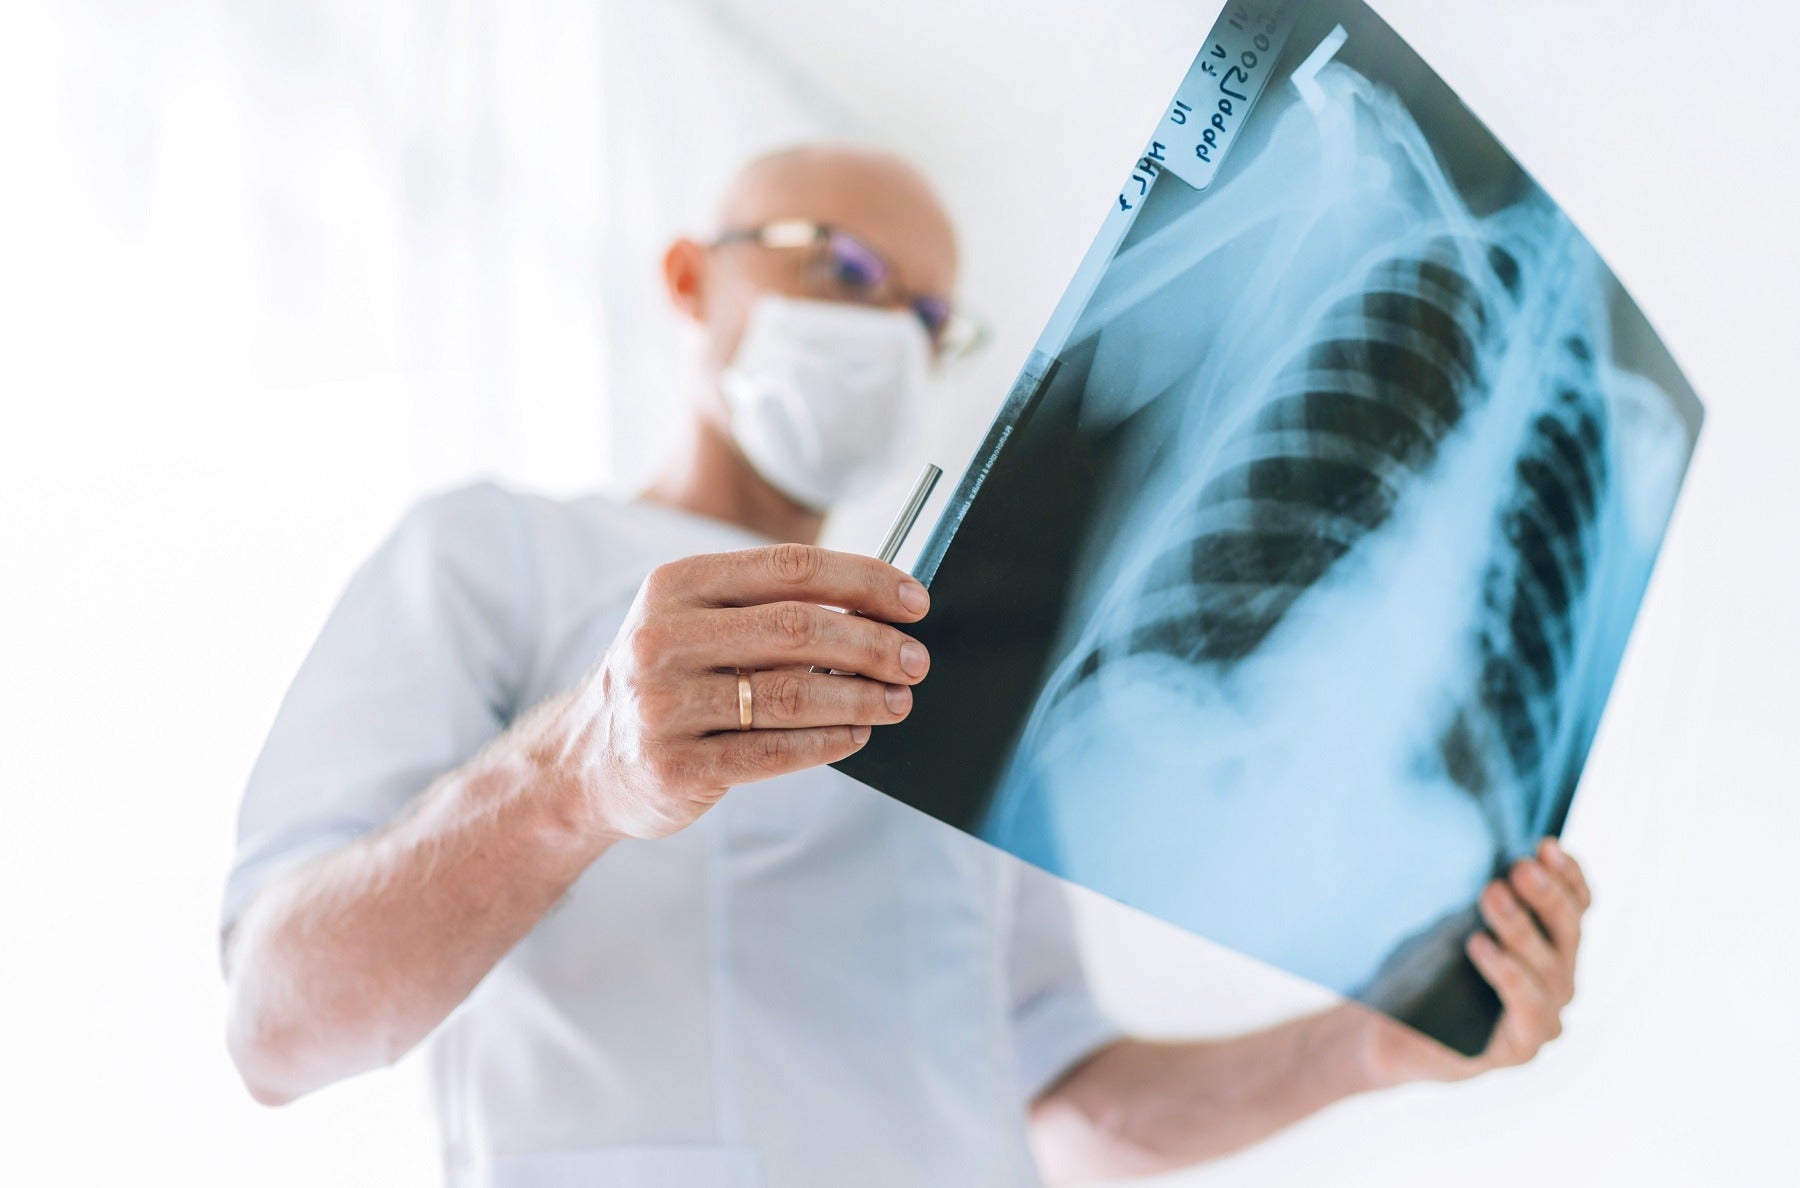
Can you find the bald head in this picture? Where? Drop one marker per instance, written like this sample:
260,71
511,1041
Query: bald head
872,195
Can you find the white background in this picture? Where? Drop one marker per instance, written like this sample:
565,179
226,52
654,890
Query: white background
269,271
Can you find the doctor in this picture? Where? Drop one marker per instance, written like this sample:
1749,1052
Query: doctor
548,795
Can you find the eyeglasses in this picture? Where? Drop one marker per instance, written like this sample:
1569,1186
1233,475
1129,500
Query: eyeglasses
841,267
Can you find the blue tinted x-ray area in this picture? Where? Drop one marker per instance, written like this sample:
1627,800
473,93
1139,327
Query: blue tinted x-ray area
1285,601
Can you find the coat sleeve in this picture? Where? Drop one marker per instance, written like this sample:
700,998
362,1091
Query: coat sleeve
418,667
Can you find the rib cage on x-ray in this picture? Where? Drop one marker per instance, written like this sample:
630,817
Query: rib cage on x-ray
1351,427
1412,363
1531,602
1342,436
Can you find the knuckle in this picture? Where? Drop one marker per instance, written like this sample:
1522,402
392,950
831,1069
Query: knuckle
662,581
785,694
767,750
649,643
794,564
791,623
881,646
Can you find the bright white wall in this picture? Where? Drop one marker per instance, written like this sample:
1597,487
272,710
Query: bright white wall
269,270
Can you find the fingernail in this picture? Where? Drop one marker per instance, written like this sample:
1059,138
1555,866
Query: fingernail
899,698
913,658
860,734
913,597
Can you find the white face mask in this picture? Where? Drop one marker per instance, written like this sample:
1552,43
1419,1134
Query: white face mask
825,395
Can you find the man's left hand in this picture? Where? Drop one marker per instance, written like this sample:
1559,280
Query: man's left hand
1528,956
1137,1107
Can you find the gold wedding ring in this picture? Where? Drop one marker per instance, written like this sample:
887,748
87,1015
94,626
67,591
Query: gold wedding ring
745,700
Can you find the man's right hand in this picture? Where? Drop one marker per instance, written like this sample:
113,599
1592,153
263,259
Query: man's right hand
650,739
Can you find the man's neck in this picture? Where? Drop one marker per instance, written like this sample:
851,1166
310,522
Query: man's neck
709,477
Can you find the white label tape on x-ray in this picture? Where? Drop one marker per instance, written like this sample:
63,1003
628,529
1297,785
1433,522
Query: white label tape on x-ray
1214,99
1192,138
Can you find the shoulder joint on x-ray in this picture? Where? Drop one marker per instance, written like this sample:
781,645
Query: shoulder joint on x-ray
1306,79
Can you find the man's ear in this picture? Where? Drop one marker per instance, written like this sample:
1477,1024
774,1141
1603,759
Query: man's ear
685,267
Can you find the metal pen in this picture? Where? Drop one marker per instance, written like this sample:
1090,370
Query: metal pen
903,525
909,513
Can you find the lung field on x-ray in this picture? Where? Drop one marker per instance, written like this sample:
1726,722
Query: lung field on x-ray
1321,465
1349,430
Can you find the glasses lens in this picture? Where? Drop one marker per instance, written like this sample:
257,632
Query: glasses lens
855,269
934,312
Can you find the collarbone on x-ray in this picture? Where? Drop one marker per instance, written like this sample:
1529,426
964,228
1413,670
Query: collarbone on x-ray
1376,457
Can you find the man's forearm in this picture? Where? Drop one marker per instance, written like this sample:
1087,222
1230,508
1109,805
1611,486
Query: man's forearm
1139,1107
349,961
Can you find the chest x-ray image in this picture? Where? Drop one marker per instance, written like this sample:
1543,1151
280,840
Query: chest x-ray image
1284,597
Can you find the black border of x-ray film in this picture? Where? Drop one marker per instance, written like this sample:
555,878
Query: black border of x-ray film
1462,1013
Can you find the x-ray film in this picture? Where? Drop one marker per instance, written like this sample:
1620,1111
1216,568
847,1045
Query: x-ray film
1284,596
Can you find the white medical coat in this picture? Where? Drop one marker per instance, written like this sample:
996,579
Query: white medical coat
812,987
